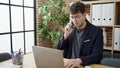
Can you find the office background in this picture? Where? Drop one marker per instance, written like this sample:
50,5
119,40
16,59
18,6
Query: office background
109,24
19,21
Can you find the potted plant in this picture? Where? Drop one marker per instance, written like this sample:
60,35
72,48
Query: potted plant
53,19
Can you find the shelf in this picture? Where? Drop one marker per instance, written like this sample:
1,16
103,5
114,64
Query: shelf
117,50
108,29
87,8
117,26
107,48
103,26
117,0
90,2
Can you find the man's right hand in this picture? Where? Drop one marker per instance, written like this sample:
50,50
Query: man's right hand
68,30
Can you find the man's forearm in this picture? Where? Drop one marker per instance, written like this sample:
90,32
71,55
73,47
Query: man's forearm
61,42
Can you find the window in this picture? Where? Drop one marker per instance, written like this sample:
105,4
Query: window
29,3
18,41
17,18
5,43
29,39
4,1
17,2
17,25
29,18
4,19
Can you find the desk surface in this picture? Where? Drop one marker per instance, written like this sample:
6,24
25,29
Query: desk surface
29,62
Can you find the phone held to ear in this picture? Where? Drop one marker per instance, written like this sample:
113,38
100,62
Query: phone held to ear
72,24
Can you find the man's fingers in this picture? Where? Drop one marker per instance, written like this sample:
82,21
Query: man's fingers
68,26
68,65
72,63
73,66
67,29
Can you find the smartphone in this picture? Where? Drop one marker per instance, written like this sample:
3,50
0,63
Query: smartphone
72,24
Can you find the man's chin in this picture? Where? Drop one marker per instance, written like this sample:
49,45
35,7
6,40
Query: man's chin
78,26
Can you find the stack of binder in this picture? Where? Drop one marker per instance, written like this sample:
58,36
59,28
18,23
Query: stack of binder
102,14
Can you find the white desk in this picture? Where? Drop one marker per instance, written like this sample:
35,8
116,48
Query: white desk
28,62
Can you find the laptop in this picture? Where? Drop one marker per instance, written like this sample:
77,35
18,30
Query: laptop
48,57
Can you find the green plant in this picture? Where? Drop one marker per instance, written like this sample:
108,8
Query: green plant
52,14
54,36
44,30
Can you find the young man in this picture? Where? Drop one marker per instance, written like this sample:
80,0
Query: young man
83,43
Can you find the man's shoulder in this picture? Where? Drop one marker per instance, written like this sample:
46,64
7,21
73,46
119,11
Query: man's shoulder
94,28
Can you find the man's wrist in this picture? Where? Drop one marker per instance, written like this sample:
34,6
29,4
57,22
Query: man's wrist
79,60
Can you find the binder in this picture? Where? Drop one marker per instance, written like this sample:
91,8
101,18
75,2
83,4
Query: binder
107,14
96,14
110,18
117,39
104,14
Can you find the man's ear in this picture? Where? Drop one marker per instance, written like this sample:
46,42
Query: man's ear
84,14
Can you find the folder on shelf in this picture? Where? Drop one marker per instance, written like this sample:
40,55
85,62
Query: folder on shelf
104,14
110,17
107,14
96,14
117,39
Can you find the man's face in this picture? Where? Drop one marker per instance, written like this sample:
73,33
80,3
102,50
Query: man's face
78,19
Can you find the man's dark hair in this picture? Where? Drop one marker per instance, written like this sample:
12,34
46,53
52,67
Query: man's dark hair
77,7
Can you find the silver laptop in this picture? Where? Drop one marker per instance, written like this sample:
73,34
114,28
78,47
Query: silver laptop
48,57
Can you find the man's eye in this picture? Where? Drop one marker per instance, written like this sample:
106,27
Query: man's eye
77,16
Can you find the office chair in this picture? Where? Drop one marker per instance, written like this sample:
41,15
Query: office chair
4,56
107,54
114,62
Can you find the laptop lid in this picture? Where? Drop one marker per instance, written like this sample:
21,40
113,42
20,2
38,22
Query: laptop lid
48,57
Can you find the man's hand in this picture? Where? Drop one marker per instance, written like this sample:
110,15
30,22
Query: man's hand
72,63
68,30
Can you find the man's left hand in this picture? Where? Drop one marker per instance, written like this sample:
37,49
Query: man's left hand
72,63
